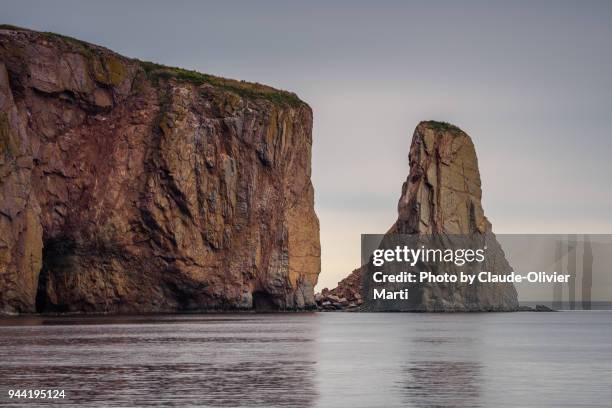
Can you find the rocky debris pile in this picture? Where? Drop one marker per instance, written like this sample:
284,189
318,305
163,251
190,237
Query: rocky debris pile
327,300
537,308
347,295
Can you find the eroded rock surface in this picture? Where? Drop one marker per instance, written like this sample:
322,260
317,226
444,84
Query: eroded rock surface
442,197
127,186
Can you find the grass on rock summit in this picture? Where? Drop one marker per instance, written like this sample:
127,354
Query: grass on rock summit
155,72
442,126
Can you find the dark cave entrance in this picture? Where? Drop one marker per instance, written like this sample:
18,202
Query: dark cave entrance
54,256
264,302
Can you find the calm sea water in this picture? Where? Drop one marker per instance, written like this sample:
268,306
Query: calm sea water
314,359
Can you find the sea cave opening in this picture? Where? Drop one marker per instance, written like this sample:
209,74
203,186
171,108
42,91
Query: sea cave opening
264,302
54,256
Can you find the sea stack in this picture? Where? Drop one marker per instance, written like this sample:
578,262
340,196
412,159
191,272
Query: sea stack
442,198
127,186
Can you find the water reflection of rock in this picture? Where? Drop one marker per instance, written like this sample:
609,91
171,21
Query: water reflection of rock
196,384
234,362
442,383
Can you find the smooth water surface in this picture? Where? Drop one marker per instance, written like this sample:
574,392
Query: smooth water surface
313,359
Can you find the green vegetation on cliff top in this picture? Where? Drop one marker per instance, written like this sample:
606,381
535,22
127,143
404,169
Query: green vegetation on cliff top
155,72
441,126
245,89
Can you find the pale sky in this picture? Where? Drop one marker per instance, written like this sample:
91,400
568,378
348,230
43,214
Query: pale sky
531,82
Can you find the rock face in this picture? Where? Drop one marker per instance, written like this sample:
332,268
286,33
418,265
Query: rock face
128,186
442,197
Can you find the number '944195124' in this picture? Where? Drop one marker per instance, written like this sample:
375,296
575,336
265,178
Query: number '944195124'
36,394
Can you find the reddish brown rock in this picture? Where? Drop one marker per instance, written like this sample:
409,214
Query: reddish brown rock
132,187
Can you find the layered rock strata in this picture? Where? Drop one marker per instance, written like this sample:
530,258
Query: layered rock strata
128,186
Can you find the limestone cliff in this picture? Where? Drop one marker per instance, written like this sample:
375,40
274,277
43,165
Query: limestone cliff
442,197
128,186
